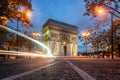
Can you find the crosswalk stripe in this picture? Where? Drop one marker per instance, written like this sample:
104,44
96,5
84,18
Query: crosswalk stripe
82,73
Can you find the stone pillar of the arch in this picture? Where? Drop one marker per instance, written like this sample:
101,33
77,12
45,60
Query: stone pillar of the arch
50,46
69,49
62,50
76,52
59,49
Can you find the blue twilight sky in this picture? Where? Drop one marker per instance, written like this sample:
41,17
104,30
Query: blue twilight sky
68,11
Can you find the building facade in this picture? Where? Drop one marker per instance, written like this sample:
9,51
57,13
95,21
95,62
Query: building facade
61,38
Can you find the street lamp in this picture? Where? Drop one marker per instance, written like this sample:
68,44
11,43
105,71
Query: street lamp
85,35
112,42
101,11
36,35
28,15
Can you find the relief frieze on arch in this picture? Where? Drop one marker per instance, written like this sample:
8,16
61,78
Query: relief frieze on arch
61,35
74,39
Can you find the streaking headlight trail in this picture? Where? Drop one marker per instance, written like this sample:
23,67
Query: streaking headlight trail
15,53
35,41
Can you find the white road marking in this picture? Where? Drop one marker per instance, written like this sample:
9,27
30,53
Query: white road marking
29,72
82,73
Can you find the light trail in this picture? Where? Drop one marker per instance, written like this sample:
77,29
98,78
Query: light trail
35,41
15,53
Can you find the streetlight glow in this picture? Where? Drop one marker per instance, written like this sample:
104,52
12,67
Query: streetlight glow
28,14
100,11
86,34
36,34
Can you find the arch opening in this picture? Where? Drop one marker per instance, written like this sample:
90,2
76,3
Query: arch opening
64,42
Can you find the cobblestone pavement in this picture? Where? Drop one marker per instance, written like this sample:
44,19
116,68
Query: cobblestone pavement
100,69
59,71
11,67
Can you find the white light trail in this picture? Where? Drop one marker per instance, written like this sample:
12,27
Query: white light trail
35,41
15,53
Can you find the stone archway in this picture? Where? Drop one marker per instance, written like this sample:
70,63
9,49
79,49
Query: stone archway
64,42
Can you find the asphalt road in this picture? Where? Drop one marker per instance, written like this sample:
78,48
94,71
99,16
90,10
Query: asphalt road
59,71
12,67
100,69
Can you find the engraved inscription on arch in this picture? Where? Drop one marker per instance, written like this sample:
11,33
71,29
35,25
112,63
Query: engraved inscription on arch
54,35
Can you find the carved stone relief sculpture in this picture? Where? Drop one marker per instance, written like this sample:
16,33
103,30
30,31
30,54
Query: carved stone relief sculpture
54,48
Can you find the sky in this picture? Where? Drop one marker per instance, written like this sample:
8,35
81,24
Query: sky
67,11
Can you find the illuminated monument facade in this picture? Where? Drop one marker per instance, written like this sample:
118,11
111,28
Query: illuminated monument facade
60,37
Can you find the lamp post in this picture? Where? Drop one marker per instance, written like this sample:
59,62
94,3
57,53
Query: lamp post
112,42
36,35
28,15
85,35
102,11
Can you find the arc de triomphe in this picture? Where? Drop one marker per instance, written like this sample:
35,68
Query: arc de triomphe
61,38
